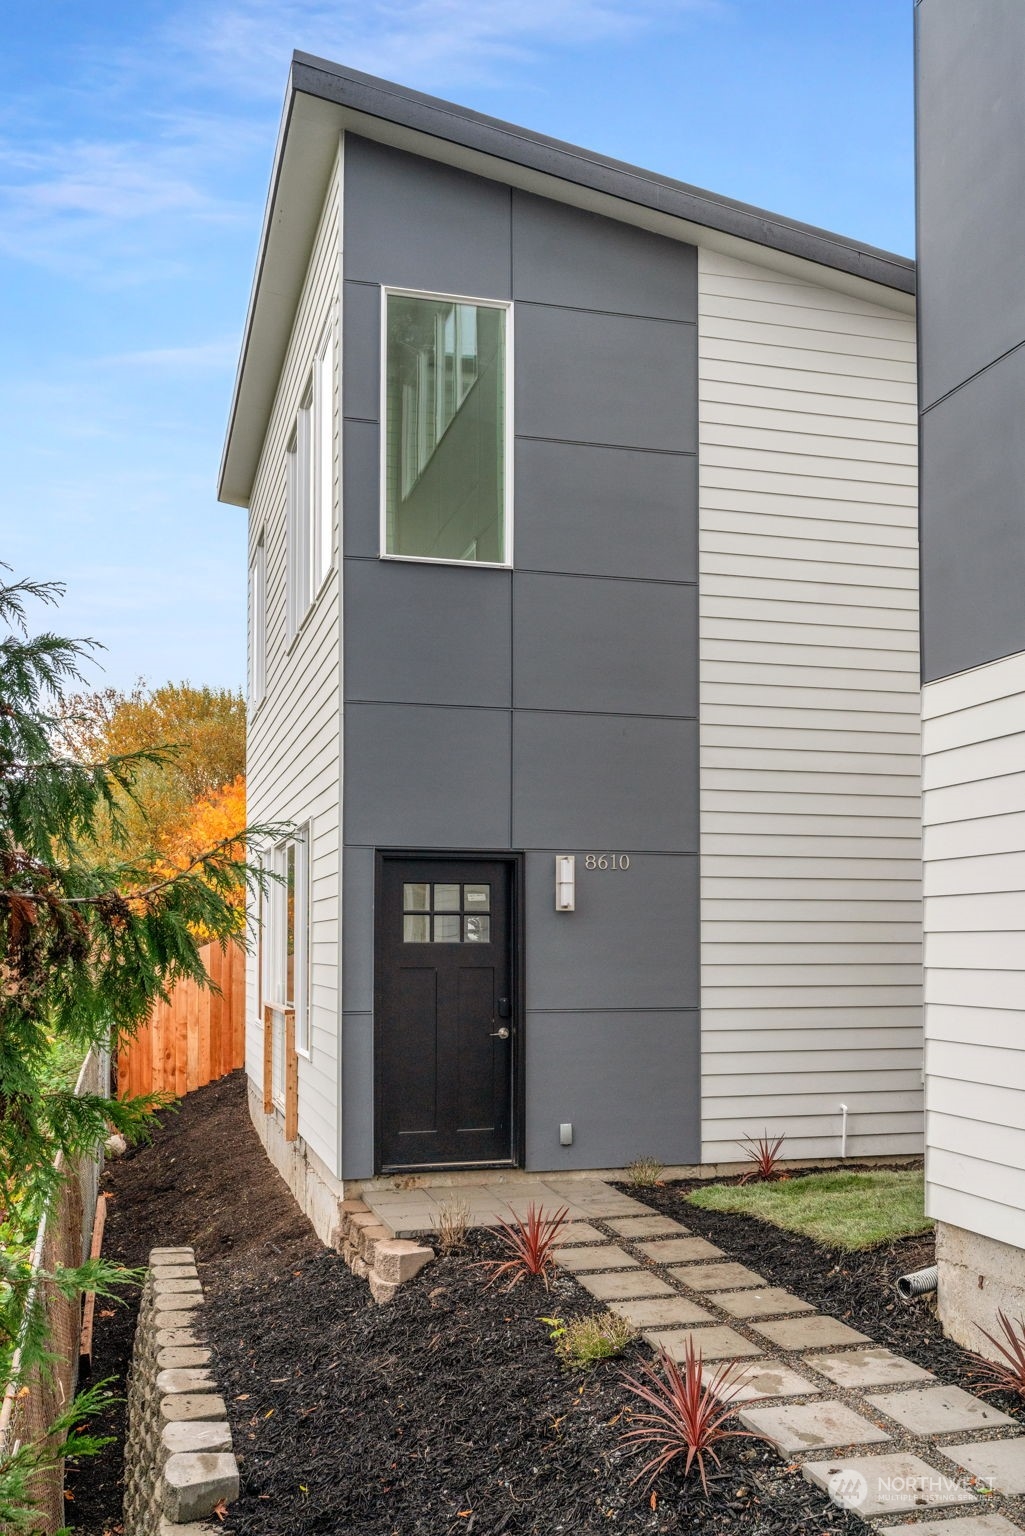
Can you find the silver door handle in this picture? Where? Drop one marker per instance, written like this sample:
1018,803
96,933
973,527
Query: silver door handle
500,1034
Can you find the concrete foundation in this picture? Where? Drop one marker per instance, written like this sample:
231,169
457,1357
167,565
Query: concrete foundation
315,1189
978,1278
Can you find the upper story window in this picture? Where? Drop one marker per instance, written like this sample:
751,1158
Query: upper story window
310,487
285,916
258,623
446,483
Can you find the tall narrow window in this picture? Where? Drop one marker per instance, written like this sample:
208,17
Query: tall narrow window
445,472
287,947
299,517
323,460
258,623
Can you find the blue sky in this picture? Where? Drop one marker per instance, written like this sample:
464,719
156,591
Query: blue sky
135,146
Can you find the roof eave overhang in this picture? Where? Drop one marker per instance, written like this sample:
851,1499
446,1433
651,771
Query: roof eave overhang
324,100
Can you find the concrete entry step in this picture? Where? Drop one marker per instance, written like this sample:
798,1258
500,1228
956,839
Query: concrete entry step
897,1484
805,1427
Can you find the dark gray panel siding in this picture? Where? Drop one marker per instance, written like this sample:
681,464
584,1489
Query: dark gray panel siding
622,1080
549,709
971,320
973,501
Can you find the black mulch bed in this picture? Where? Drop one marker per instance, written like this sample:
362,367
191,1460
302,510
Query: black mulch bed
445,1411
855,1287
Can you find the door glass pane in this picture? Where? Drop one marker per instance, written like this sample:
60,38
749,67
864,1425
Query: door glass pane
477,898
446,930
416,898
446,898
416,928
445,430
478,930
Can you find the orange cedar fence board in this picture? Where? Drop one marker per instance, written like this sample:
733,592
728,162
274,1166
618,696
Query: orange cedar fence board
195,1038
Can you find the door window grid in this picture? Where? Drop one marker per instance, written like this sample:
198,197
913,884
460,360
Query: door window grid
446,912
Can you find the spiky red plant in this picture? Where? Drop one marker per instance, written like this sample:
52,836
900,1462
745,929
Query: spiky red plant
995,1376
686,1413
529,1241
764,1152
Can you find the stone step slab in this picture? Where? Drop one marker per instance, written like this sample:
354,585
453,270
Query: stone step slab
611,1257
196,1482
961,1525
1000,1464
715,1343
633,1227
815,1331
895,1484
764,1379
876,1367
718,1277
624,1284
805,1427
661,1312
939,1410
179,1407
773,1302
679,1250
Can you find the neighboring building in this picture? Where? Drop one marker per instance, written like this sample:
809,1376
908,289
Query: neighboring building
971,133
582,514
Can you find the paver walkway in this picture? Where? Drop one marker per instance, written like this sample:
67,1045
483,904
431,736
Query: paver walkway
814,1389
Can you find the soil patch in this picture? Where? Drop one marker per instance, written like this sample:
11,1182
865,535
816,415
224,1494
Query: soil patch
202,1180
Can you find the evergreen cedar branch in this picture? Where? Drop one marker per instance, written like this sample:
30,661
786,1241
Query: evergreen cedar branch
87,943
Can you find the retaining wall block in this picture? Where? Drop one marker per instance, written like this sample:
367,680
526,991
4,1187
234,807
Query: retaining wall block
398,1259
176,1418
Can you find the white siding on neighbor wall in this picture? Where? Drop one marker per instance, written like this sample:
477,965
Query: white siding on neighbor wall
973,740
294,748
810,834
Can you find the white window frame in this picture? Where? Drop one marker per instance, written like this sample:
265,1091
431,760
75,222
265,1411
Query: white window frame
298,520
275,946
508,435
258,622
322,501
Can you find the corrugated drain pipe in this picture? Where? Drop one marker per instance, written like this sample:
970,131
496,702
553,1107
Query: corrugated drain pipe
919,1283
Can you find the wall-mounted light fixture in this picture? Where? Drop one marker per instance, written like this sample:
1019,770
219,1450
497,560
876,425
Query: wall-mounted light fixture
565,882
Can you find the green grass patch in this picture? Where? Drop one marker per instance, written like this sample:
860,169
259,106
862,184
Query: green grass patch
842,1210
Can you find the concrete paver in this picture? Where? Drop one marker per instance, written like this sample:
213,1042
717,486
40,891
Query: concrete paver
679,1250
886,1485
661,1312
633,1227
962,1525
812,1332
999,1463
939,1410
811,1426
609,1257
874,1367
765,1378
717,1277
773,1302
718,1343
622,1284
579,1232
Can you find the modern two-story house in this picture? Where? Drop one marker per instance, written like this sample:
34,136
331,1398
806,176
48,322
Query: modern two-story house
583,642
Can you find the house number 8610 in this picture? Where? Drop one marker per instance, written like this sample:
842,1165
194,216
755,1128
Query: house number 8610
606,861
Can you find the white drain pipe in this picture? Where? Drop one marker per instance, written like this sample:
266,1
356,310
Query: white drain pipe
843,1131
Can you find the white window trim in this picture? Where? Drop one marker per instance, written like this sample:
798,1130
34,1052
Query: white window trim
508,435
258,622
275,913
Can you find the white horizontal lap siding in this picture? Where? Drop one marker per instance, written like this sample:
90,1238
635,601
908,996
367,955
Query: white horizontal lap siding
810,797
973,742
294,746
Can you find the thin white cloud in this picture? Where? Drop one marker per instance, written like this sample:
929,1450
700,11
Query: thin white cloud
429,43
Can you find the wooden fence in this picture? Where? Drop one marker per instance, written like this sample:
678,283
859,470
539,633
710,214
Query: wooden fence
195,1038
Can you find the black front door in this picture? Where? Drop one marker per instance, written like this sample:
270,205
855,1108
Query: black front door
445,1017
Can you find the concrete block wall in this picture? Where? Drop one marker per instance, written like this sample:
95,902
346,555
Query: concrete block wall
179,1464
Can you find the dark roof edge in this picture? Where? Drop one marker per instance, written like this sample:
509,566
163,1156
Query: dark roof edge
505,141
